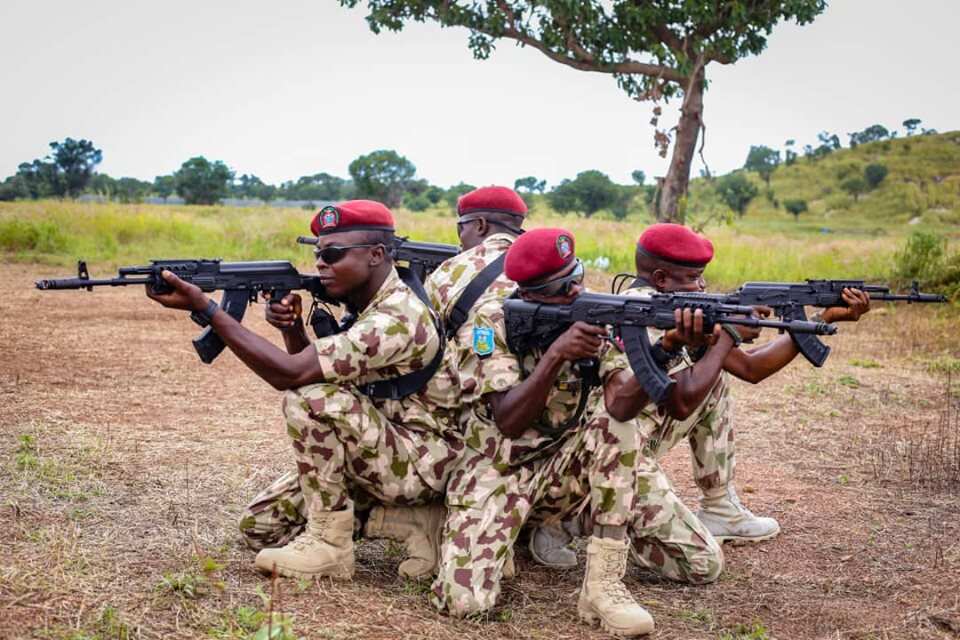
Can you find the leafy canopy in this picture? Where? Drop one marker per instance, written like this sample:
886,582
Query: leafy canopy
199,181
382,175
652,48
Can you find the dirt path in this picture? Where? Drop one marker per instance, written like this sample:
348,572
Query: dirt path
125,463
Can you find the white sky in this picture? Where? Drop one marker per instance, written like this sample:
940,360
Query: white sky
285,89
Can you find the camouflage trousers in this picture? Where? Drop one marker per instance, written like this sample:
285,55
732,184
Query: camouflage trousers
592,468
667,537
345,447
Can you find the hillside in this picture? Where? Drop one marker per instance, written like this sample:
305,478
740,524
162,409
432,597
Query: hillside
922,188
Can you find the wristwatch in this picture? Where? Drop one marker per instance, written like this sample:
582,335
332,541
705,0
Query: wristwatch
733,333
207,314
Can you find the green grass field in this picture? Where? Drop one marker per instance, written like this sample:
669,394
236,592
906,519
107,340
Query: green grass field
838,237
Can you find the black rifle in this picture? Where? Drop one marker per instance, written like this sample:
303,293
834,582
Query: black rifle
239,281
788,300
533,325
421,257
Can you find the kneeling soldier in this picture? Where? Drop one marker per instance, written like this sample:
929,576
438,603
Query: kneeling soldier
539,443
365,412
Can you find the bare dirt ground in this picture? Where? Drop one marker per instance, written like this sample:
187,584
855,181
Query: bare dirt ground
124,463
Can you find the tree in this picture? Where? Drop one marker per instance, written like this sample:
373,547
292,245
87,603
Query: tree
589,192
872,133
453,193
382,175
763,160
639,177
75,161
131,189
855,186
164,186
789,155
655,50
911,124
736,190
199,181
38,179
874,174
530,184
320,186
796,207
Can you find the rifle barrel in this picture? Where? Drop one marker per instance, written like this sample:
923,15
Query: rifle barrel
83,283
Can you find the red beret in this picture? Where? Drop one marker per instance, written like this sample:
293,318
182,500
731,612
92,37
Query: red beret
494,199
352,215
538,253
677,244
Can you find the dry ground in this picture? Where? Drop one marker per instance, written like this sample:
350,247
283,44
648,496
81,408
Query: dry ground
124,463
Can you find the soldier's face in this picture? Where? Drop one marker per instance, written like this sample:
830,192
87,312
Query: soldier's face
683,279
470,233
569,289
351,262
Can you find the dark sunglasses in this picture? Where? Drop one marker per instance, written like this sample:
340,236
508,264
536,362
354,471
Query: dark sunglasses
334,254
559,286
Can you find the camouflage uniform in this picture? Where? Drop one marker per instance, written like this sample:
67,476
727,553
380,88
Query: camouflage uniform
500,482
348,444
667,536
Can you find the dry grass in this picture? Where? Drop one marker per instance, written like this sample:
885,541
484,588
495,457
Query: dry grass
124,463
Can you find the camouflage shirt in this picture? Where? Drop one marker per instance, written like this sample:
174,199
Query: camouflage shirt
447,284
394,335
500,370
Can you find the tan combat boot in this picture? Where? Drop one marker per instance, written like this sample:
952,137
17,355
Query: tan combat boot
603,596
325,548
729,521
418,528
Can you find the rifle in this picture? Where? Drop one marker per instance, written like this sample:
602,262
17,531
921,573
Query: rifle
534,325
239,281
421,257
789,298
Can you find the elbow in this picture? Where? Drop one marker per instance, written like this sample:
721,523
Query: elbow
620,412
679,410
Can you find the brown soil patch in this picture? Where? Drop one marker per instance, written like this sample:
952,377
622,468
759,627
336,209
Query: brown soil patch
124,459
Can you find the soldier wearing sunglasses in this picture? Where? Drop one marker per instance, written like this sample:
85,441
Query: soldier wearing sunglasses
368,409
540,446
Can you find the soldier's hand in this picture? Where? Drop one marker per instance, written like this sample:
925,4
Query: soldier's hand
580,341
284,313
689,331
858,303
185,296
749,334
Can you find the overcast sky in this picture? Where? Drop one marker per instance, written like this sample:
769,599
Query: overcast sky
285,89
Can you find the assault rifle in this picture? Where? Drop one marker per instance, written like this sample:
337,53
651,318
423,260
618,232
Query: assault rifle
421,257
534,325
239,281
789,298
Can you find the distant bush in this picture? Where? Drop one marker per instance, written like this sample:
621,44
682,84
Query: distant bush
874,174
924,259
795,207
41,236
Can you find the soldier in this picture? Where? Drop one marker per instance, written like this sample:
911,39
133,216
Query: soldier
489,219
538,439
364,410
667,537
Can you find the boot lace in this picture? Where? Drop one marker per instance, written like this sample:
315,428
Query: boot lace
614,567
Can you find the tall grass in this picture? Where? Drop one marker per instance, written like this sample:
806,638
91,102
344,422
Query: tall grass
107,235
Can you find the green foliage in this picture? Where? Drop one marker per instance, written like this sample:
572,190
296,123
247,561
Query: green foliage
457,190
911,124
924,258
382,175
755,631
42,236
872,133
530,184
736,191
795,207
199,181
319,187
763,160
164,186
250,186
639,177
589,192
75,161
874,174
855,186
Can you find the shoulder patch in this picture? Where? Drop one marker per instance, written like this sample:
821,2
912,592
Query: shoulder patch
482,341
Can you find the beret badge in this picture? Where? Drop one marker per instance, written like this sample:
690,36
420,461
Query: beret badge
564,247
329,217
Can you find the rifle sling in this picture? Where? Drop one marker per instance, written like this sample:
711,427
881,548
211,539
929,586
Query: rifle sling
408,383
472,293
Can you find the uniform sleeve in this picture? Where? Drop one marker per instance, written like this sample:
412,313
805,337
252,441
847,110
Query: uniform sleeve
486,364
381,344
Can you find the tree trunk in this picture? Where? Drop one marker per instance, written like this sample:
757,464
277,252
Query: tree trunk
685,145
